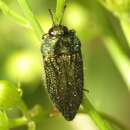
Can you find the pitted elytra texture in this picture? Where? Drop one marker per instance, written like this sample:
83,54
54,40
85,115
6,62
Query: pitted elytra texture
63,67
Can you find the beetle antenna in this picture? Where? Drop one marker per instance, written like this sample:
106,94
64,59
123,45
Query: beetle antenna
51,14
63,11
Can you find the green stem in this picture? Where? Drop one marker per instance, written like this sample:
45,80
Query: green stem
25,120
126,28
31,18
112,39
122,16
95,116
121,60
114,121
18,122
8,12
99,117
59,10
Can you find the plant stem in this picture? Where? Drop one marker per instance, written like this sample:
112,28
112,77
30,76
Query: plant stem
111,39
113,120
8,12
31,18
100,119
95,116
123,15
121,60
59,10
18,122
126,28
25,120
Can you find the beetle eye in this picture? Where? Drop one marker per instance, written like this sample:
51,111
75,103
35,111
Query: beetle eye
51,32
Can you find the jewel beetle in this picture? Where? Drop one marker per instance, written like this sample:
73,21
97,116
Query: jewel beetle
63,68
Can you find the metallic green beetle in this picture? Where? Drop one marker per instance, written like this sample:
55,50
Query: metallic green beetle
63,67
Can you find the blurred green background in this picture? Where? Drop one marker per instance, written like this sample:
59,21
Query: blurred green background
103,29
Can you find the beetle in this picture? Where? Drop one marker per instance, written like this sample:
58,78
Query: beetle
63,68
